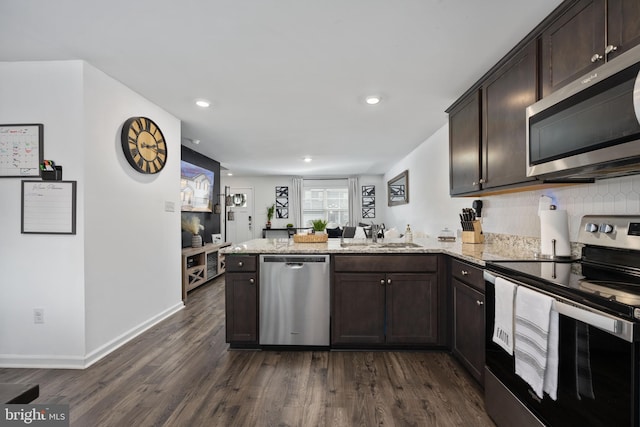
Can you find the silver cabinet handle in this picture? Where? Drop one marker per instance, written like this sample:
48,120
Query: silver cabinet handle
388,281
610,48
382,282
464,272
240,263
479,303
596,57
252,281
482,181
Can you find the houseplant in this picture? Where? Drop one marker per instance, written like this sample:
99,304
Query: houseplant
270,210
319,225
192,225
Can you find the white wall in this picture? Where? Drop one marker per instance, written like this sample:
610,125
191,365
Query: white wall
36,270
132,245
431,208
121,271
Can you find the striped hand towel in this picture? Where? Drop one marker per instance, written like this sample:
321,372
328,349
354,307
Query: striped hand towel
532,330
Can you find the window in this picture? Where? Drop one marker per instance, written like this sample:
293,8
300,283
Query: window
328,200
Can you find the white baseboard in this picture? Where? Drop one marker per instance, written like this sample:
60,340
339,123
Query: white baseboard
78,362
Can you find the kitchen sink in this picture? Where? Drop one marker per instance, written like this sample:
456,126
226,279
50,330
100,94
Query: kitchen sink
379,245
398,245
356,244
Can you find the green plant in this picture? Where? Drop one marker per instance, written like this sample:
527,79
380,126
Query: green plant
289,225
319,224
270,211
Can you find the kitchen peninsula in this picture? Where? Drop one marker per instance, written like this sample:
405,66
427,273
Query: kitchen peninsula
384,295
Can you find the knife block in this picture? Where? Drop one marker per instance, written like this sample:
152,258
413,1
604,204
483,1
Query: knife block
474,236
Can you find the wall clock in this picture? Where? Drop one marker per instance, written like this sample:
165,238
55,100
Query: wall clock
144,145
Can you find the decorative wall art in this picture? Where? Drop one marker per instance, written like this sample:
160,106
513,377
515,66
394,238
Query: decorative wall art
196,188
48,207
21,150
368,201
282,202
398,189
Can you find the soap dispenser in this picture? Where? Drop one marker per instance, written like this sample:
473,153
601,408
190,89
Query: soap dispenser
408,235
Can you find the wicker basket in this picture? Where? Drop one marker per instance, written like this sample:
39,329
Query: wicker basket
310,238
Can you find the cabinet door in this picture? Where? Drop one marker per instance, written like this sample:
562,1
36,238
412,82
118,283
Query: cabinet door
464,145
412,308
506,96
468,328
573,45
623,29
241,299
358,308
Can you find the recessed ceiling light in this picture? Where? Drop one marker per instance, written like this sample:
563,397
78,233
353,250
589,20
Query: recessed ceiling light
372,100
202,103
308,159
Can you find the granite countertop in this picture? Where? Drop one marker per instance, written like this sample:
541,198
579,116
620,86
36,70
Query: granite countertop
475,253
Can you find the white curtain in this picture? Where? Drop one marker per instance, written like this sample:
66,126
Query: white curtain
297,194
354,201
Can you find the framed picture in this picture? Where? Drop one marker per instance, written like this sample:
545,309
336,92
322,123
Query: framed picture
196,188
282,202
21,150
368,201
48,207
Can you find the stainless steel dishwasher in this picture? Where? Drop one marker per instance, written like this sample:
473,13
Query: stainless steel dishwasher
294,300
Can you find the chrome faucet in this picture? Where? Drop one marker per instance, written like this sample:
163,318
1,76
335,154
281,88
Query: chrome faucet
344,228
374,232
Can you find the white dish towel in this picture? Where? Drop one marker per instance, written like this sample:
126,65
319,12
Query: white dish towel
536,341
503,321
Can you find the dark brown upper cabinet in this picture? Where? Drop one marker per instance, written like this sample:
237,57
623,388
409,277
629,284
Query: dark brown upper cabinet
588,34
487,129
506,95
464,145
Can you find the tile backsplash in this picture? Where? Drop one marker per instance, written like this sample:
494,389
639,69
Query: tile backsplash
517,214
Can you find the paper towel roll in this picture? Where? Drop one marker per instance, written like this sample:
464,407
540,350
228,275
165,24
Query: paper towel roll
554,225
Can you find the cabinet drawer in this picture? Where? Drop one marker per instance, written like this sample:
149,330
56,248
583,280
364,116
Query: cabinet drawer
468,274
386,263
240,263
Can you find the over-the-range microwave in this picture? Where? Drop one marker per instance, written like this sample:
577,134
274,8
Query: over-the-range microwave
590,128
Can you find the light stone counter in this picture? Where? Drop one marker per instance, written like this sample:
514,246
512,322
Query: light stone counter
474,253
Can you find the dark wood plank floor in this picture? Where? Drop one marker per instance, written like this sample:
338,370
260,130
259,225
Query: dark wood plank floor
182,373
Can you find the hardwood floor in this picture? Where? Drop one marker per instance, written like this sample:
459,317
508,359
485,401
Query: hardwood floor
181,373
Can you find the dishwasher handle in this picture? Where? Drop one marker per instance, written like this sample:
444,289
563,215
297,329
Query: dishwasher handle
294,265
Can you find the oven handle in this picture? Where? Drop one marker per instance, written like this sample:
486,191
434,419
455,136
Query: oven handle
619,327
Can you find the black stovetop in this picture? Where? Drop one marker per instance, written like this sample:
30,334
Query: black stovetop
611,292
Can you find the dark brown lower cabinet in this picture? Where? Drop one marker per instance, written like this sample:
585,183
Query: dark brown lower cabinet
384,308
468,318
241,300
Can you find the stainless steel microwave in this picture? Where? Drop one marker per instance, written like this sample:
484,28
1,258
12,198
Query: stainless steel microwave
590,128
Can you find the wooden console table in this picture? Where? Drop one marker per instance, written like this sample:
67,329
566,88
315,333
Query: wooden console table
199,265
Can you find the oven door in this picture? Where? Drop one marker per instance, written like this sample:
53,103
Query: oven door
597,370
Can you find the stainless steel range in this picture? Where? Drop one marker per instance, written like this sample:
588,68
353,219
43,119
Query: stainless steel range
597,298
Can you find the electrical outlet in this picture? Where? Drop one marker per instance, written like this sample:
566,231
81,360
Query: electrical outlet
38,315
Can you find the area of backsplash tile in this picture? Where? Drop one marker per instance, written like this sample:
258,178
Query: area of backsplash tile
517,214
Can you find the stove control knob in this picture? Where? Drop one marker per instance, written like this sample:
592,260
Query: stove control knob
606,228
591,227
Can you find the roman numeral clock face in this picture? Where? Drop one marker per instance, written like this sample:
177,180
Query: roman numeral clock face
144,145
